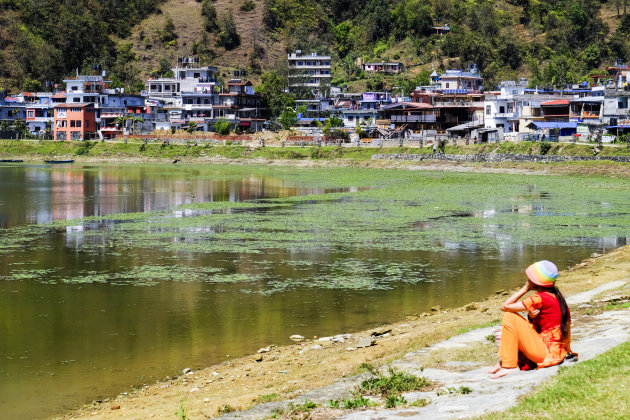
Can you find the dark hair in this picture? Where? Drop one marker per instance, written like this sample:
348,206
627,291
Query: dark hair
564,310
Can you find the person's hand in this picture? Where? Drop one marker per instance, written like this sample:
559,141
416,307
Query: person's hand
534,313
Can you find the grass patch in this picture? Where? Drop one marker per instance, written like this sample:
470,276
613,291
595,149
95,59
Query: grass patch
267,398
394,384
617,305
476,327
595,389
419,403
305,407
358,401
394,401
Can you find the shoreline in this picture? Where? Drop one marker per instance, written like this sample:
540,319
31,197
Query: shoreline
581,168
481,158
288,371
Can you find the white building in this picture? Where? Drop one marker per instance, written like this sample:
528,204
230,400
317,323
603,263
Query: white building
308,70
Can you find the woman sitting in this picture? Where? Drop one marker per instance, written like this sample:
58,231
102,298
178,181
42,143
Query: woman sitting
545,341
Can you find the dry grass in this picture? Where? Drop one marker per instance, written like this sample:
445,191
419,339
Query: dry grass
186,15
482,353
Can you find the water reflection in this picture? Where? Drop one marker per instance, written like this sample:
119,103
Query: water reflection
42,194
91,335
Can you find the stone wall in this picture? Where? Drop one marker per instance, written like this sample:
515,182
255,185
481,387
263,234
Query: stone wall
498,157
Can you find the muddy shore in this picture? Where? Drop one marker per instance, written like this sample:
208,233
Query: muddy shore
288,371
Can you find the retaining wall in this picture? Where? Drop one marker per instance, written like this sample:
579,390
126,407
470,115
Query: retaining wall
498,157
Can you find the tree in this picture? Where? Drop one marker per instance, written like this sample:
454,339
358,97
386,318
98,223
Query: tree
134,121
192,126
120,121
168,31
228,36
288,118
210,15
20,126
272,86
331,125
125,72
222,126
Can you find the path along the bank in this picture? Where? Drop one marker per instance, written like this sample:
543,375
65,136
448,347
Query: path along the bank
592,335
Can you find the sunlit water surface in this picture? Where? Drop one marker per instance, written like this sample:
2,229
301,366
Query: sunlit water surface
92,307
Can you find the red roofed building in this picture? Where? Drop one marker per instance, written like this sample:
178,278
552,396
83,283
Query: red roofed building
555,111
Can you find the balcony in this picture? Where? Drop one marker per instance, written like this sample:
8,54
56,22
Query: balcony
508,115
459,104
190,107
427,118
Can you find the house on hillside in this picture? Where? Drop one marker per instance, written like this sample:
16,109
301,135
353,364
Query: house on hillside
441,30
383,67
459,81
308,70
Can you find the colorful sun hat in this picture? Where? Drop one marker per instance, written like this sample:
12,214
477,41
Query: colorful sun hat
543,273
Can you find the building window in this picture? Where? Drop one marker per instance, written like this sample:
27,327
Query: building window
30,114
76,99
72,123
300,63
74,88
446,85
87,123
501,110
488,110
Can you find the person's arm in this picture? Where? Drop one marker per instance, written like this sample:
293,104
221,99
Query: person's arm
511,304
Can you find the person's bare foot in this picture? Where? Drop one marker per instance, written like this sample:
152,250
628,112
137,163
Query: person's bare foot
502,372
495,368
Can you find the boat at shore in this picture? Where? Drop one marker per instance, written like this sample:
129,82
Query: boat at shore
59,161
11,161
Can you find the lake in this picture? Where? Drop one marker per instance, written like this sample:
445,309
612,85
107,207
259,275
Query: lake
116,276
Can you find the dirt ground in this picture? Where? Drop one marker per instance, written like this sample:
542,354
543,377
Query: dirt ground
285,372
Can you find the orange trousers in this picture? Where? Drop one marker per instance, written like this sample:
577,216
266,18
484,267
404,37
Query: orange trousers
518,335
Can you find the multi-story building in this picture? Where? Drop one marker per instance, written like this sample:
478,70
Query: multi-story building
308,70
459,81
39,112
75,121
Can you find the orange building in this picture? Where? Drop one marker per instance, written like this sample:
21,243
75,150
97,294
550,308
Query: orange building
75,121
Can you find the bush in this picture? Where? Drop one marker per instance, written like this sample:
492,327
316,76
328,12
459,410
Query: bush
395,383
247,6
222,126
228,37
545,146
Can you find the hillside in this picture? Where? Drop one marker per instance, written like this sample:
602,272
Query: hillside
189,27
550,42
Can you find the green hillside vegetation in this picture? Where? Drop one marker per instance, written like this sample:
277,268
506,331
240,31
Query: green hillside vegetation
550,42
